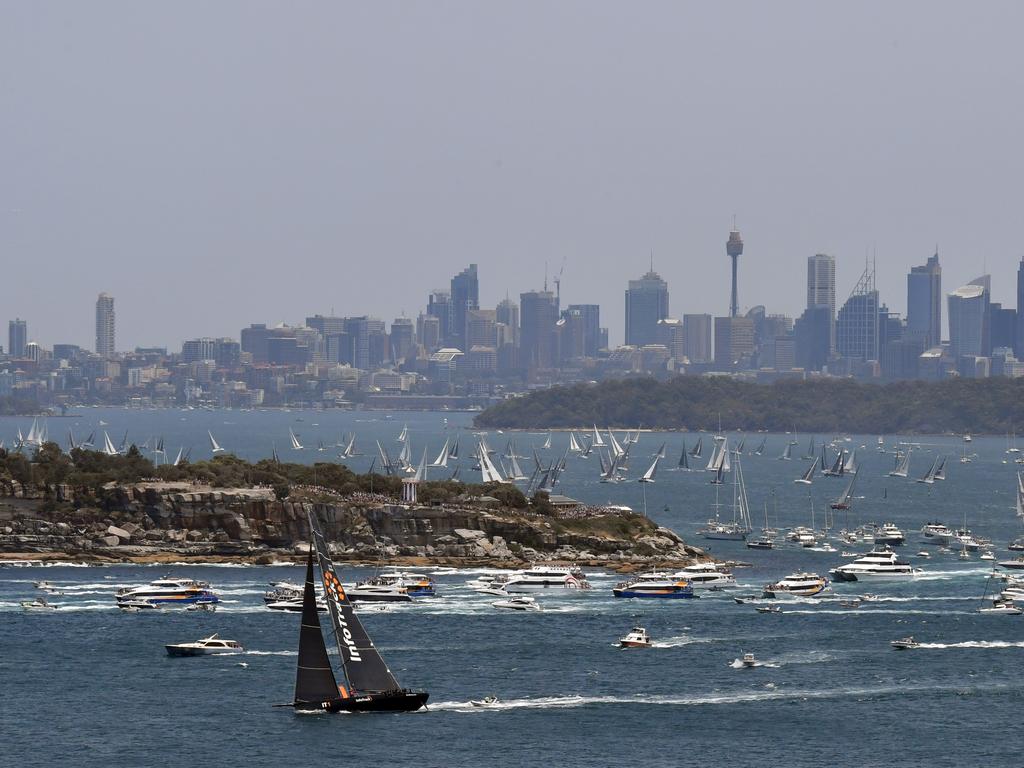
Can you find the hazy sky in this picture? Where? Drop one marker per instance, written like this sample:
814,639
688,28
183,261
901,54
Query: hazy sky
216,164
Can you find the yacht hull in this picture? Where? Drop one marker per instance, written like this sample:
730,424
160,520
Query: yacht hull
402,701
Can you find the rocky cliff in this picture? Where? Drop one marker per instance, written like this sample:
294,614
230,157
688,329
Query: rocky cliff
160,521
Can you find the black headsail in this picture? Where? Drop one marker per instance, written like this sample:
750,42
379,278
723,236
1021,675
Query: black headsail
364,667
314,680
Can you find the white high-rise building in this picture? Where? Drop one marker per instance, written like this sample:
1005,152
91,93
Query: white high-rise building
821,289
105,325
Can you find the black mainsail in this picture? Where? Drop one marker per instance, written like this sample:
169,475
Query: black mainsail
371,686
314,678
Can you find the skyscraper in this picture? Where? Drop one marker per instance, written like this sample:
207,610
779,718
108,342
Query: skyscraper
821,289
734,342
591,318
538,314
17,338
646,304
439,306
857,324
968,320
105,325
734,249
924,302
507,313
1019,351
697,338
465,296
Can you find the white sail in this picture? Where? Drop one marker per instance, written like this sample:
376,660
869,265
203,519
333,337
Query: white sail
661,452
404,435
421,470
488,471
787,452
597,441
940,471
573,445
214,446
516,472
614,444
296,445
648,476
108,446
929,477
177,459
808,476
442,457
547,442
350,449
851,462
1020,494
903,468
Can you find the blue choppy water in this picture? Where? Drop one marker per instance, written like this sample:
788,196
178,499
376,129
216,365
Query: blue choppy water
89,684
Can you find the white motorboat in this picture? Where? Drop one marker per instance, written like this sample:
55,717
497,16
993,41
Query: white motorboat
518,603
749,661
134,606
541,577
654,585
638,637
281,591
1016,564
414,584
880,563
486,701
905,643
937,533
208,646
717,530
769,609
987,555
295,606
924,554
380,590
797,585
706,576
1002,607
39,604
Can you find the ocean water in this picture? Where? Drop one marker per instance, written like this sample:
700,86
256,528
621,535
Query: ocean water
90,685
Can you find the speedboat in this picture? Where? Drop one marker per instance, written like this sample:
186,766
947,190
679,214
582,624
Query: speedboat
889,534
986,556
748,661
1015,564
1002,607
637,638
905,643
517,603
797,585
924,554
937,533
769,609
39,604
486,701
282,590
655,585
547,577
208,646
134,606
880,563
706,575
170,592
295,605
208,607
762,542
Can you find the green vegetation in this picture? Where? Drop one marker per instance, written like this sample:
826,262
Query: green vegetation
19,405
816,405
90,471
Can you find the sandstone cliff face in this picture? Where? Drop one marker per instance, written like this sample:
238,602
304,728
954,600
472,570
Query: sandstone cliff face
141,519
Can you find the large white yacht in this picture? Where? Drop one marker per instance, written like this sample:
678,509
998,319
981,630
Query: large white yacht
706,576
880,563
208,646
937,533
889,534
547,577
654,585
169,592
797,585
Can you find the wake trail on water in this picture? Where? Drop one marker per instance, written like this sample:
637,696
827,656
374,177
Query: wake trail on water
974,644
567,702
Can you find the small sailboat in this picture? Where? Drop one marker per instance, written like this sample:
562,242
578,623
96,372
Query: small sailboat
442,457
369,685
648,476
698,449
787,452
108,446
547,443
902,464
845,499
759,451
684,462
574,445
597,442
808,476
940,470
214,445
177,459
404,434
296,445
929,477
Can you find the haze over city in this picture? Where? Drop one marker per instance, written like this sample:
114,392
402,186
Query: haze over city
217,165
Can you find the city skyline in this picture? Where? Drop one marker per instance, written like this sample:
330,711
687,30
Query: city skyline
360,202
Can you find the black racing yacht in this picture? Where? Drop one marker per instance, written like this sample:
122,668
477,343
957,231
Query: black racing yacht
369,684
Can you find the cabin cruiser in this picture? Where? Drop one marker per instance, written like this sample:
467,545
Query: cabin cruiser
797,585
706,576
637,638
282,590
749,661
967,541
889,534
494,585
937,533
762,542
518,603
655,585
169,592
880,563
1002,607
208,646
803,536
1015,564
546,577
378,589
905,643
415,584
